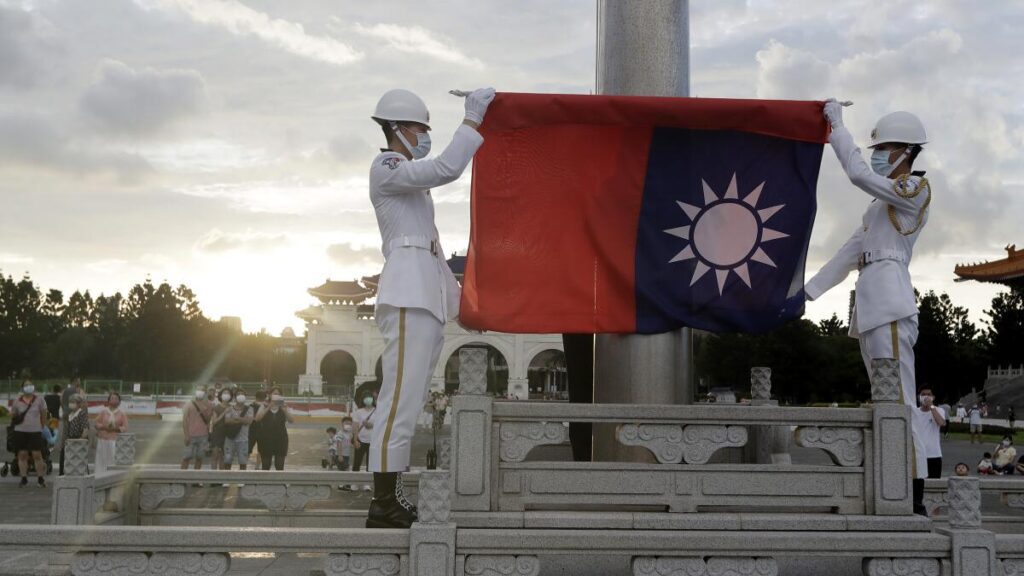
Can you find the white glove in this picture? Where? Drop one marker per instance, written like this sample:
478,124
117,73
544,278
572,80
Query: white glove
477,102
834,113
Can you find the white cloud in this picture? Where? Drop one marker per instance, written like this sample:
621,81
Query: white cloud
353,256
790,73
29,47
216,241
239,19
142,102
418,41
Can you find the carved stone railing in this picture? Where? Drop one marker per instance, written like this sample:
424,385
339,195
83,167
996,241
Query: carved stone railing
1009,491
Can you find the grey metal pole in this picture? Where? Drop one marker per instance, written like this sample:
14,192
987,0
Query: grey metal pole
643,49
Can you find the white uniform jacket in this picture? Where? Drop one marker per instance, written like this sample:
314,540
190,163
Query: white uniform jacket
416,274
881,251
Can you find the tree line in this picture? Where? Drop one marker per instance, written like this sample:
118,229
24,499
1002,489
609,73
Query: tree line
818,362
153,333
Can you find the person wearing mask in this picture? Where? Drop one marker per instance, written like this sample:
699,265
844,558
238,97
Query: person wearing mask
362,434
29,416
928,419
53,401
74,387
885,311
274,418
195,428
256,427
76,425
1004,456
110,422
344,442
237,419
220,407
418,292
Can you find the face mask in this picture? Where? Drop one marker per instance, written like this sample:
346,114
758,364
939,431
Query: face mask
240,398
346,428
275,397
225,397
200,394
73,406
28,389
422,147
880,162
367,401
1006,442
924,399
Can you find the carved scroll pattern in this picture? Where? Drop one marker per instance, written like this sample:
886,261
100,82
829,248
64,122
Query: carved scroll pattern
503,565
665,441
518,438
845,446
278,497
701,441
152,495
362,565
143,564
902,567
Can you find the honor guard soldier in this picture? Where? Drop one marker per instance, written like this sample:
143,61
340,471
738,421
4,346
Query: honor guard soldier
885,312
417,292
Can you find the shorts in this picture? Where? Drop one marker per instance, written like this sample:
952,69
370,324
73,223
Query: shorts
236,450
28,441
975,428
217,439
196,448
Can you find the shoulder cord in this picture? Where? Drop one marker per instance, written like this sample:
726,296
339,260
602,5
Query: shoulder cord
901,188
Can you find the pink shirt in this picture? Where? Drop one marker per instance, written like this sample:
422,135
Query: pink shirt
103,429
194,423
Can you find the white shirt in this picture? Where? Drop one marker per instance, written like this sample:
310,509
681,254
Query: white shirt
961,412
927,430
416,276
359,419
975,416
884,291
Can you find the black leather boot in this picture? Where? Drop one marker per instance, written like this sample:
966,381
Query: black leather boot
386,511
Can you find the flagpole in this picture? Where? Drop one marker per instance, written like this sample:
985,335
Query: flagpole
643,49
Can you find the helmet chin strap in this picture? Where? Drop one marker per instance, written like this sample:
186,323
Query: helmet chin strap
899,160
401,138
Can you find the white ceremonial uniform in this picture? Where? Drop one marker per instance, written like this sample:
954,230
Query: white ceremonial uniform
417,292
885,311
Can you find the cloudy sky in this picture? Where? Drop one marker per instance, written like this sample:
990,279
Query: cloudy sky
225,144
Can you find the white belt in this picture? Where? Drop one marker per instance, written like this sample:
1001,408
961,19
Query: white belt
421,242
882,254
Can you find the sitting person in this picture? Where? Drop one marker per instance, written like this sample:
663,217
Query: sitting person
985,466
961,469
1004,456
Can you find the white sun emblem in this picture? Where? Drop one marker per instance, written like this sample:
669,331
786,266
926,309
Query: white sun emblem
726,234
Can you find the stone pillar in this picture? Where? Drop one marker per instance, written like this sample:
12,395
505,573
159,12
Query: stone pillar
76,457
974,549
767,444
73,502
471,434
519,388
432,538
643,49
313,383
124,450
892,454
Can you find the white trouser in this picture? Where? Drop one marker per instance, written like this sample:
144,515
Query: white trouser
413,338
896,340
104,455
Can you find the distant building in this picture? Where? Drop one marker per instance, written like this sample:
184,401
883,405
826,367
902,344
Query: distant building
1008,271
288,343
232,322
344,347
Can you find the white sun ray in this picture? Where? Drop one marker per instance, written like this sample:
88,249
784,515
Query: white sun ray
722,275
760,256
767,213
767,235
698,271
731,191
691,211
681,232
744,273
685,254
709,194
755,195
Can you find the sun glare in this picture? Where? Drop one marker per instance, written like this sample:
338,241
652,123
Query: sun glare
726,234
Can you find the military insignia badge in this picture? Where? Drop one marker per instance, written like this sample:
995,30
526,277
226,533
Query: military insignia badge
391,162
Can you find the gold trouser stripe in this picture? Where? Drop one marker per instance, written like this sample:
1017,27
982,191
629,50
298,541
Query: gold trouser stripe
896,354
397,394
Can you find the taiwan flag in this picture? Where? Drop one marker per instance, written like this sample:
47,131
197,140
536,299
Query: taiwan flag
620,214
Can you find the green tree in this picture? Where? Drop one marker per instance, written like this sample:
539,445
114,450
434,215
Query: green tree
1005,335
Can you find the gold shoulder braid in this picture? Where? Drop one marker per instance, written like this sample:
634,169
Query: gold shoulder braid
902,189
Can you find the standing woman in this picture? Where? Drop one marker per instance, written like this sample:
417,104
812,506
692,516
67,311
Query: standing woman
28,414
274,418
76,425
111,422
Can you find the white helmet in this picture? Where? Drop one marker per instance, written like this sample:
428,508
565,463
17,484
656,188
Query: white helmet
901,127
401,106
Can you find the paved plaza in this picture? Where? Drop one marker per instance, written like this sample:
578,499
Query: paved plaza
159,444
